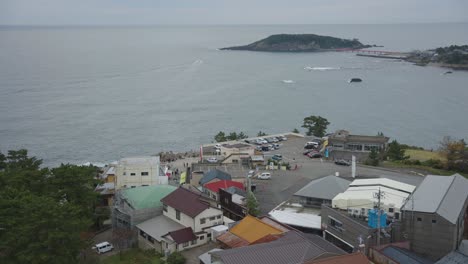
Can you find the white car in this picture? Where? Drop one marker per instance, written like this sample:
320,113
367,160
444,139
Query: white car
262,140
103,247
251,174
264,176
218,146
212,160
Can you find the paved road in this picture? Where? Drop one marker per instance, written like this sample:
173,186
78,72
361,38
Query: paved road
284,184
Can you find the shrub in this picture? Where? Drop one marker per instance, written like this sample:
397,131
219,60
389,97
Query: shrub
175,258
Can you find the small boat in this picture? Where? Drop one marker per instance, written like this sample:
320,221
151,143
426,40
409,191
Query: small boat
447,72
355,80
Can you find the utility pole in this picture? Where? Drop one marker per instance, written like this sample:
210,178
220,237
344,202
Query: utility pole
378,195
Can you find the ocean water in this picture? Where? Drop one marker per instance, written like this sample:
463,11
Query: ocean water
77,94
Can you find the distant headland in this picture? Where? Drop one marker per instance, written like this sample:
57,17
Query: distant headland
301,43
455,57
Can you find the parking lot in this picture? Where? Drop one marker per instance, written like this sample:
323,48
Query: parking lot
283,184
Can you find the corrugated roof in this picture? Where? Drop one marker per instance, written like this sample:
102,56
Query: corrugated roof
234,190
159,226
232,241
322,243
444,195
396,185
185,201
453,257
147,196
251,229
354,258
214,174
182,235
224,184
404,256
324,188
291,248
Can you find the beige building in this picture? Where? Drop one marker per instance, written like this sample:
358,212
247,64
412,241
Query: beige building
139,171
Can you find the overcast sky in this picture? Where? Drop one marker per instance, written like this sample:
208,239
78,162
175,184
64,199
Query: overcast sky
128,12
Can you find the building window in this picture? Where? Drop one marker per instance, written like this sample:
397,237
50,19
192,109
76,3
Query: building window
434,221
419,219
185,244
194,242
144,173
219,217
151,240
143,234
177,214
202,221
212,218
354,147
145,185
226,200
165,208
397,215
133,186
391,210
336,224
208,235
132,174
201,237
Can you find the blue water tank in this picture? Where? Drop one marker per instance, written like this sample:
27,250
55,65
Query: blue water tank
373,216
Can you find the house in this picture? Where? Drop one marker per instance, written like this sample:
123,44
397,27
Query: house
349,231
232,202
291,247
135,205
360,196
305,219
396,253
238,153
354,258
456,257
139,171
212,176
342,145
321,191
251,230
212,189
434,216
106,190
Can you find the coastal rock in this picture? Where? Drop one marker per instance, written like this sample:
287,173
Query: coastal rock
301,43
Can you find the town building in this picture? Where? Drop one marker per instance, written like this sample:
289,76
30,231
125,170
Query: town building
321,191
139,171
185,223
106,190
135,205
342,145
212,189
232,202
434,216
238,153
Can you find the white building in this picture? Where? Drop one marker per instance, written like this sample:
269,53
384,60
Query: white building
362,196
139,171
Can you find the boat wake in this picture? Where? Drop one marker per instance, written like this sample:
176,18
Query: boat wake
321,68
288,81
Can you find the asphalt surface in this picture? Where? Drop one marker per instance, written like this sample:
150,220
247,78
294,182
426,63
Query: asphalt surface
283,184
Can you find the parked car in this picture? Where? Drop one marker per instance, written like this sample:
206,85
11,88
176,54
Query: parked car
275,140
103,247
276,146
217,146
251,173
282,138
316,140
314,155
311,146
309,151
262,140
277,157
265,148
311,143
212,160
264,176
342,162
259,148
269,140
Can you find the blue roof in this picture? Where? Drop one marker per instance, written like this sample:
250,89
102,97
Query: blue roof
404,256
214,174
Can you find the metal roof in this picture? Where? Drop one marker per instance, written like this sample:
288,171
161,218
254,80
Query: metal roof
214,174
251,229
147,196
354,258
444,195
324,188
396,185
159,226
223,184
401,255
453,257
205,258
185,201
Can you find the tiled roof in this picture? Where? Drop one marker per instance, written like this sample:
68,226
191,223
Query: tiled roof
232,241
182,235
251,229
224,184
185,201
355,258
214,174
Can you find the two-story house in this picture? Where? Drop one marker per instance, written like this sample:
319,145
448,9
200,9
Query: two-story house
139,171
185,223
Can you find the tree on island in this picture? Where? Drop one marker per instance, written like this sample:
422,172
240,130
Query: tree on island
315,125
261,134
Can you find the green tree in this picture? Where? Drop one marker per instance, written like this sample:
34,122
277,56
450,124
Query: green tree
296,131
380,134
261,134
252,204
315,125
455,153
232,136
176,258
220,137
242,135
373,158
396,151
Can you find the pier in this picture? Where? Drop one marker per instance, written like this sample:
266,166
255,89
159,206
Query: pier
377,53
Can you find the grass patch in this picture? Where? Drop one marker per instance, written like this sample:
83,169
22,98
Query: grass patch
423,155
428,170
133,255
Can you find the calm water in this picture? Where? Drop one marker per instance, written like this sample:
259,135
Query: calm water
101,93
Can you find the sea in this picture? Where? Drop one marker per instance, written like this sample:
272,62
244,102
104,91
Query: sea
81,94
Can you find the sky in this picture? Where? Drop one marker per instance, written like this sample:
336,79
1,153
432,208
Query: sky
150,12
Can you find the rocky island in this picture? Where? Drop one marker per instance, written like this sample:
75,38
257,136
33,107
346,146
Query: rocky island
455,57
301,43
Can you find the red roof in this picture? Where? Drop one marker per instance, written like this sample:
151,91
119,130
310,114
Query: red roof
182,235
186,202
224,184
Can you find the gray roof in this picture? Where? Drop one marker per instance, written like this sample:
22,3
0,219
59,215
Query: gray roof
444,195
159,226
235,190
324,188
293,247
454,257
214,174
401,255
205,258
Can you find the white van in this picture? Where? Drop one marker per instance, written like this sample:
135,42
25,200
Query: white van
264,176
103,247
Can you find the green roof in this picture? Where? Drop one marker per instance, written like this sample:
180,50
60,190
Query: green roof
147,196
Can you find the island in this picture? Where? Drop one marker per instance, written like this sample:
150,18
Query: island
301,43
454,56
